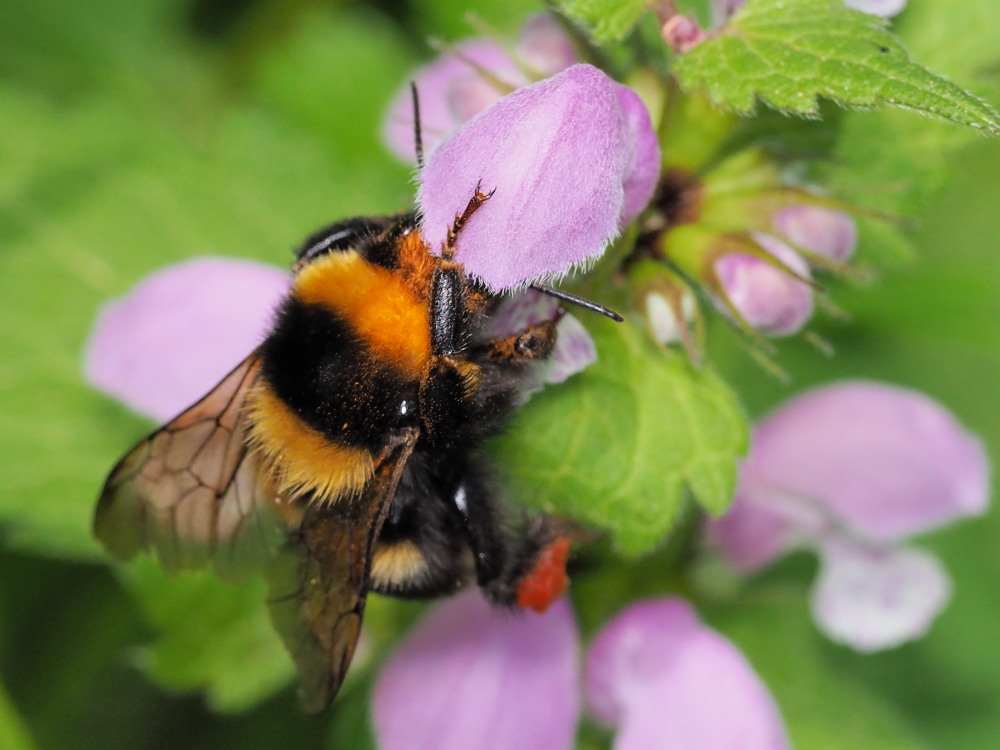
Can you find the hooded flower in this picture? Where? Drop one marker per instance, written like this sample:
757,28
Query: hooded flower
475,676
505,680
550,209
471,76
851,471
664,680
177,333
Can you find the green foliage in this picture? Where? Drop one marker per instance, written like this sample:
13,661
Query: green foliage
789,53
215,637
619,445
605,20
13,734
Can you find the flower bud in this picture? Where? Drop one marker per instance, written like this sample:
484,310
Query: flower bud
767,297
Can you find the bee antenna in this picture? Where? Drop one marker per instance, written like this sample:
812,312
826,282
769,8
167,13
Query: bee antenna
418,139
578,301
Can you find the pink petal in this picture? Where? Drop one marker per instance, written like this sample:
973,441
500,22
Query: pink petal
721,10
545,45
551,209
873,598
662,319
762,524
474,676
770,299
178,332
820,230
643,170
667,681
885,461
574,352
444,87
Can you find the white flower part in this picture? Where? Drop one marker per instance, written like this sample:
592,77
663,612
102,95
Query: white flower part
874,597
663,323
884,8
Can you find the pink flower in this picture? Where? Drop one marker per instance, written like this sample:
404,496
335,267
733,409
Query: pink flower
823,231
852,470
666,681
504,680
469,78
178,332
475,676
551,209
575,350
769,298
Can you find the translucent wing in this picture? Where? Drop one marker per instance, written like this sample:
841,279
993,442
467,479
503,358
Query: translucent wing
318,585
193,493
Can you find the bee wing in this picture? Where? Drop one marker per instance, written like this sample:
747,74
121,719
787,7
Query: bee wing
192,492
318,585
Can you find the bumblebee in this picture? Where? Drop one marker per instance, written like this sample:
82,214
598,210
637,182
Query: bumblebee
342,455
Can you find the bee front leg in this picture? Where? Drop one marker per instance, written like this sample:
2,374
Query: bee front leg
533,343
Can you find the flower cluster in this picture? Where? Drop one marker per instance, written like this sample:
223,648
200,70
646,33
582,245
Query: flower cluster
654,672
571,159
851,471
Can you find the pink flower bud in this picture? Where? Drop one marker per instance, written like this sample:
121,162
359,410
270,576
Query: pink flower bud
769,298
823,231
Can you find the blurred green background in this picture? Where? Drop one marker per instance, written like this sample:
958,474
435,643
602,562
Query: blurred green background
138,132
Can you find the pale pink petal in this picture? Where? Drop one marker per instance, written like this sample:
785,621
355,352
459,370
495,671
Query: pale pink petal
551,209
475,676
885,461
823,231
662,319
442,86
545,45
873,598
721,10
759,526
884,8
643,170
667,681
769,298
574,350
177,333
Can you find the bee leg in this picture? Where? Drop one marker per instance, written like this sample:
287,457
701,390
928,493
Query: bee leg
533,343
478,199
503,557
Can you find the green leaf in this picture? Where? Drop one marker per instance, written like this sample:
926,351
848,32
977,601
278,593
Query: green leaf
904,180
618,445
788,53
215,637
13,734
605,20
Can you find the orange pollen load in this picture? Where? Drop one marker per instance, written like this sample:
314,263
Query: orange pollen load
547,580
